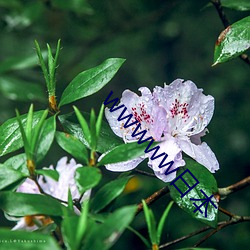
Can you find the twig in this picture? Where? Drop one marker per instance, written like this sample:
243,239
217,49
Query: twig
152,198
204,229
144,173
226,23
224,211
223,192
235,220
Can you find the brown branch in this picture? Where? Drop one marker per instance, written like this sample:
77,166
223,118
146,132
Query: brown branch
144,173
235,220
185,237
224,192
226,23
152,198
224,211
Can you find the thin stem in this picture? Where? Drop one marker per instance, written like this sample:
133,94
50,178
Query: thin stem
224,192
224,211
144,173
152,198
235,220
226,23
185,237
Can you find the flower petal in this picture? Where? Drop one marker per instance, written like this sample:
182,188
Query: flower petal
201,153
173,151
29,187
189,110
125,165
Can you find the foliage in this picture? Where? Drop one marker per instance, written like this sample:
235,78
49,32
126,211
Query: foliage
104,208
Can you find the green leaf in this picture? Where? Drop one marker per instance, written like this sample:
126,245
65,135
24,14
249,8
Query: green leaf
19,90
18,162
46,137
241,5
233,41
20,204
87,177
10,136
207,184
82,223
105,235
73,146
74,228
99,121
8,176
16,240
107,139
124,152
162,221
90,81
69,230
92,127
143,239
151,223
53,174
108,193
84,125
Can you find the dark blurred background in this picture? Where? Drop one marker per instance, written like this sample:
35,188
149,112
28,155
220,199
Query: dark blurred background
161,41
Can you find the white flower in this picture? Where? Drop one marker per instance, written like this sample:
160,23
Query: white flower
177,116
58,189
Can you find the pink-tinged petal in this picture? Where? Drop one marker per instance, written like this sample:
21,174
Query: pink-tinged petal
125,165
201,153
196,139
59,189
29,187
189,110
117,126
171,148
146,111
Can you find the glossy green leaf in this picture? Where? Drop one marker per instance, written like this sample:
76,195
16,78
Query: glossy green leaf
125,152
162,221
69,230
9,175
18,162
105,235
108,193
19,90
53,174
241,5
87,177
16,240
207,183
99,121
151,223
10,136
107,139
46,138
20,204
90,81
84,125
233,41
73,146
